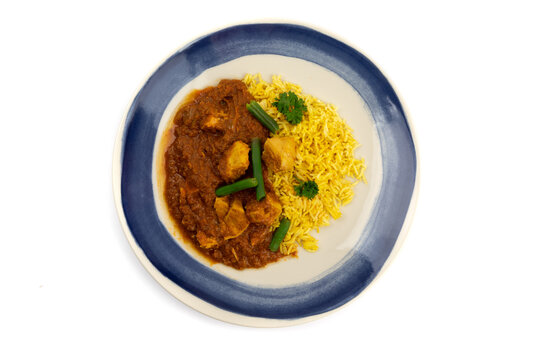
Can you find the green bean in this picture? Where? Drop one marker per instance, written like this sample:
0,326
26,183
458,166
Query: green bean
257,168
237,186
279,234
256,110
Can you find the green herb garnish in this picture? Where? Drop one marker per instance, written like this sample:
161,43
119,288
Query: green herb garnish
307,188
291,106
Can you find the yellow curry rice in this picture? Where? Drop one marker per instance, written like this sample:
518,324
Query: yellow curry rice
325,154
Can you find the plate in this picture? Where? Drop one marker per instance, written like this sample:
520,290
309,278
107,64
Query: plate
353,250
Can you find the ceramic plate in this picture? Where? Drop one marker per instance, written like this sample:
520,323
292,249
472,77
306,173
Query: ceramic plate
353,249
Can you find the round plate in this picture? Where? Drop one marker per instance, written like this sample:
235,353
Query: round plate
353,249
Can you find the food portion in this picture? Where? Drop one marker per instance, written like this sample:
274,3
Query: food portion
252,167
280,153
209,185
324,170
234,161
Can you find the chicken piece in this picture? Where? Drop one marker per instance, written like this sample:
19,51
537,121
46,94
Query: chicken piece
206,241
265,211
236,220
214,122
234,162
279,153
221,205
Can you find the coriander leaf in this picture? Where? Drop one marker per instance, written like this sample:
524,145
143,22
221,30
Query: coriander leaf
308,189
290,105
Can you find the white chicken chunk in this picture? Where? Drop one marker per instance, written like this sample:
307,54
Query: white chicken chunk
234,162
236,220
214,122
279,153
221,205
265,211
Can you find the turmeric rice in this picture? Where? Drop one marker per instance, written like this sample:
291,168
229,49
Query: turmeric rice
325,154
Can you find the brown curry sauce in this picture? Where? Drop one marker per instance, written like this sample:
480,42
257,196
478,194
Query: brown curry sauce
191,166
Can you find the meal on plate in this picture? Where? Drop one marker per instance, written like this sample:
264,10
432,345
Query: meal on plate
252,167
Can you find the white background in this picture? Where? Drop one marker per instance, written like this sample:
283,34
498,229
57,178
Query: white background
466,281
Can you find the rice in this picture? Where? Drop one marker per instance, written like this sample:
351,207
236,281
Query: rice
325,154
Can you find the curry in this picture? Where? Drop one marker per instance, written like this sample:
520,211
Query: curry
210,148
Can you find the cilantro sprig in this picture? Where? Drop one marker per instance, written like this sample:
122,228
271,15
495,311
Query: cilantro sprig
308,189
290,105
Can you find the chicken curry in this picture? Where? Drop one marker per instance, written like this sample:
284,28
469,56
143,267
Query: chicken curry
210,148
